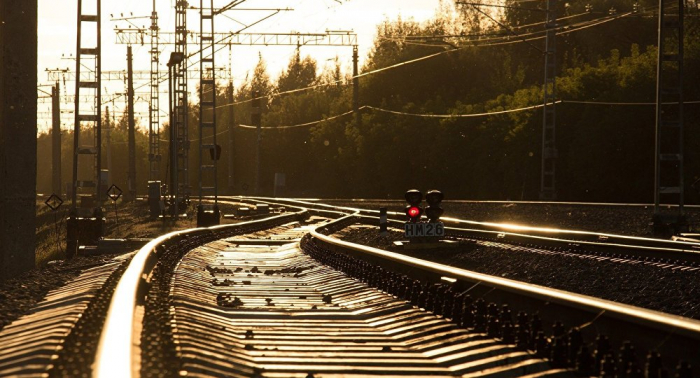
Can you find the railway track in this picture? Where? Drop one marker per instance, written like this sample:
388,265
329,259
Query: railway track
279,297
662,252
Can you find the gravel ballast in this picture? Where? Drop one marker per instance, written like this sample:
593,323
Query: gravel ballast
666,290
607,218
18,295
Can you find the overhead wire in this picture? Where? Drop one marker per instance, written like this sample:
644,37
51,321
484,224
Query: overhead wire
571,29
464,115
163,76
594,23
507,28
301,124
197,140
468,115
624,103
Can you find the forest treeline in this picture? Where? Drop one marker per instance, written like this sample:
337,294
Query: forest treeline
485,64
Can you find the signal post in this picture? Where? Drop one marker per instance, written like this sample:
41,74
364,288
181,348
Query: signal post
422,234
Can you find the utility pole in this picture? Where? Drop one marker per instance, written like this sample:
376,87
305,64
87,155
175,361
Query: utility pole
56,138
669,185
356,87
154,106
108,134
86,119
231,127
86,222
18,77
549,150
132,133
208,173
172,147
180,92
176,119
256,118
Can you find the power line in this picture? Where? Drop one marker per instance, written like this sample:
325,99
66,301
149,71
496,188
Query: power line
469,115
623,103
500,6
448,116
303,124
571,29
507,28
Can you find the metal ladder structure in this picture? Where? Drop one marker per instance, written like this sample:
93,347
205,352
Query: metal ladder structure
85,224
209,150
549,150
668,180
154,105
87,120
180,189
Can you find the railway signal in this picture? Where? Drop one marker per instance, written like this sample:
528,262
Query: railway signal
434,211
424,232
413,209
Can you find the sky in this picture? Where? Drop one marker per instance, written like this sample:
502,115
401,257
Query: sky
57,37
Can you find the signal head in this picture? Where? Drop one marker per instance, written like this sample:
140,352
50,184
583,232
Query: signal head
434,197
434,211
413,213
414,197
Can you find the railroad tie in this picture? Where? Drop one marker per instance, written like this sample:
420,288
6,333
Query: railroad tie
270,310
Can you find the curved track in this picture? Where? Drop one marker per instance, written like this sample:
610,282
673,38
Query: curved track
279,297
282,314
661,251
253,329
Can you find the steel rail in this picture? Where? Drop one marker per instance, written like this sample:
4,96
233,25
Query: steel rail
547,241
576,235
554,203
674,249
114,356
673,336
298,206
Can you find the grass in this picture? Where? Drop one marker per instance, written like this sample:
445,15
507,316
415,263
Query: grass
131,220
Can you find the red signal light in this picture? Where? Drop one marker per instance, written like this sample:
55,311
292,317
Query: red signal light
413,210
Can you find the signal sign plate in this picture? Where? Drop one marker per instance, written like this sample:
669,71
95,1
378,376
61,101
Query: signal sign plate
114,193
416,230
54,202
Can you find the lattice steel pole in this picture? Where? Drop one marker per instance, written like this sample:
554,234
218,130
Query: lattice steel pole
231,147
132,126
88,119
356,86
668,177
86,222
173,65
256,118
56,138
154,106
207,102
549,150
208,177
181,163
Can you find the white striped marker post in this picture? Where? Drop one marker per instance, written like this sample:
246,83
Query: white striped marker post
383,222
